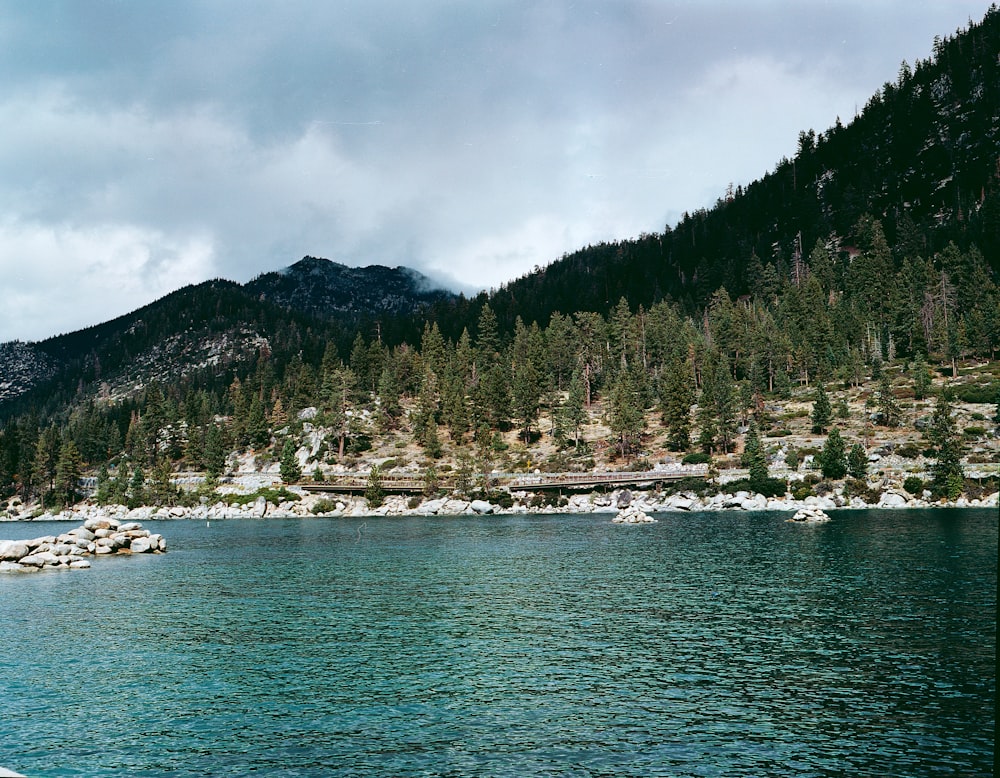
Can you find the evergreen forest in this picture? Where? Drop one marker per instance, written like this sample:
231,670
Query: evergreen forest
867,262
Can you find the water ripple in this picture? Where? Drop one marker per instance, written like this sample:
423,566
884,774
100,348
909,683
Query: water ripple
706,645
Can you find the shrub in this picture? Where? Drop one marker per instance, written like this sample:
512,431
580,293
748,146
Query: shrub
323,505
856,487
802,491
913,485
974,432
779,433
414,502
695,485
909,451
696,458
504,500
822,488
273,496
973,393
766,487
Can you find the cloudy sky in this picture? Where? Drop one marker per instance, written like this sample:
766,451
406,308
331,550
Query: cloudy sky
147,144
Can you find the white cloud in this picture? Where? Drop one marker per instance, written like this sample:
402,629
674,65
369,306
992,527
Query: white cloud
473,141
56,277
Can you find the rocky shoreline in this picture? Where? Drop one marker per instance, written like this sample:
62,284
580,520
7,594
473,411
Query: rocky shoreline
648,502
97,536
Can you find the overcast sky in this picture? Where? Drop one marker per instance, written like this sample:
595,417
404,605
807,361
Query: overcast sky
149,144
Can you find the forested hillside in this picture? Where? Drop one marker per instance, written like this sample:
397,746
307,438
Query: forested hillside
921,159
865,263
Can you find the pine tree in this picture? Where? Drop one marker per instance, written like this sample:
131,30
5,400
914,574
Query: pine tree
432,481
574,411
103,493
69,470
118,487
677,397
257,431
338,390
948,477
215,453
921,379
374,493
424,419
822,411
889,412
47,458
389,409
724,396
493,397
625,416
289,465
857,462
833,459
163,492
754,457
487,340
137,488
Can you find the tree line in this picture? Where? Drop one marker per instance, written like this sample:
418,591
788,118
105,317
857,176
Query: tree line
837,317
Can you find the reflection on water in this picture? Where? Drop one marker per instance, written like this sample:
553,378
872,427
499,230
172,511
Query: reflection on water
707,644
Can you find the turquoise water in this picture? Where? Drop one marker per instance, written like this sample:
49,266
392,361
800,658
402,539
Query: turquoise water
706,645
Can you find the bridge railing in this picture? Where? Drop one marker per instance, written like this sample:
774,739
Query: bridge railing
358,482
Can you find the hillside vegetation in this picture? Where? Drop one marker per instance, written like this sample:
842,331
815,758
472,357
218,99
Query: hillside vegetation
861,273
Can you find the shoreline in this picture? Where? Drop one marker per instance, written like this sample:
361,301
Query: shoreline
345,506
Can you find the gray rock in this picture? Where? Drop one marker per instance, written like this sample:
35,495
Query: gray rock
33,560
624,499
80,564
481,506
13,549
140,546
429,507
82,533
14,567
892,500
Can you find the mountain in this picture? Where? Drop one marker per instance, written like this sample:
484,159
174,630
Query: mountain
923,158
330,290
207,329
866,262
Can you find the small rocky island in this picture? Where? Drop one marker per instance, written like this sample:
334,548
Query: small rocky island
629,512
69,550
810,515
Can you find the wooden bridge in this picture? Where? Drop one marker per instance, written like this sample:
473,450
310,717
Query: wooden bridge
513,482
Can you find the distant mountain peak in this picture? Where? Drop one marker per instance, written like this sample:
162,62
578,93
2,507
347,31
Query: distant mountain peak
326,288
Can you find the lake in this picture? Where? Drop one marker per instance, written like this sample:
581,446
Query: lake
709,644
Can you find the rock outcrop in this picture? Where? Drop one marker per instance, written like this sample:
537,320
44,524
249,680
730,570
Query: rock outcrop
810,515
68,551
633,514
